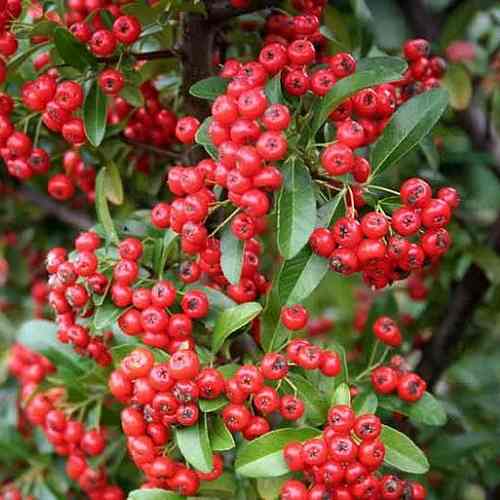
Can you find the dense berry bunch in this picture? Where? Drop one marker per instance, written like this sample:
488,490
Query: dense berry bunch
343,462
388,248
68,436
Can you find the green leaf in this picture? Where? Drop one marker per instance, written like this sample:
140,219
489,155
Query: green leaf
263,457
316,405
231,320
101,206
273,334
203,138
300,276
327,213
211,405
21,57
94,114
273,90
296,210
72,51
428,410
348,86
194,445
338,27
221,438
457,81
430,151
402,453
161,256
153,494
113,184
366,402
232,250
106,315
41,336
218,301
342,395
209,88
269,488
132,95
409,124
223,487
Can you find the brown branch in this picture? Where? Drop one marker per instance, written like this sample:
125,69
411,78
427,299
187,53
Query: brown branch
222,10
75,218
157,54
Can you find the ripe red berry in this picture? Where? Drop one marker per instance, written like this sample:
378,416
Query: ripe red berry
294,317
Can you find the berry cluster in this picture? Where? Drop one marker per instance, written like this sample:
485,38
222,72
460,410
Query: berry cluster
151,124
159,396
187,216
397,378
386,249
343,462
70,284
68,437
102,41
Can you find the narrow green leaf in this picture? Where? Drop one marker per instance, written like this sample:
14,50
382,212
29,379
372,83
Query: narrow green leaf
153,494
94,114
402,453
194,445
273,90
395,64
113,184
221,438
300,276
364,25
209,88
349,86
232,250
428,410
366,402
316,405
102,209
166,244
72,51
342,395
263,457
296,210
409,124
231,320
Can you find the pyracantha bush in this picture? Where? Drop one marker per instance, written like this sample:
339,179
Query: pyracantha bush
207,367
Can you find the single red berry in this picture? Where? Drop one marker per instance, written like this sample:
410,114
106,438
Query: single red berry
294,317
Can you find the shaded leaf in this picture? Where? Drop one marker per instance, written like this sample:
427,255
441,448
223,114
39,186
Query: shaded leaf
221,438
72,51
232,251
101,205
458,83
231,320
